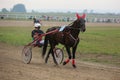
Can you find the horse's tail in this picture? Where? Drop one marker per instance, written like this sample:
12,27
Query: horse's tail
45,46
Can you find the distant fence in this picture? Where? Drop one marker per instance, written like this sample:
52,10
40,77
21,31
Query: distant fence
41,17
106,20
95,18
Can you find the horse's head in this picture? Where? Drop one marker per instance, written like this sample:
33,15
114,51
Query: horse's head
81,22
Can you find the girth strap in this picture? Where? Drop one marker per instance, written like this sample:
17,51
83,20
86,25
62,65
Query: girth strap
74,40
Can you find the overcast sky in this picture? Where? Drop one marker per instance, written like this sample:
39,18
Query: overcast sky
65,5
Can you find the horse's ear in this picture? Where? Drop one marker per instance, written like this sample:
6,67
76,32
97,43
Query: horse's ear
83,16
78,16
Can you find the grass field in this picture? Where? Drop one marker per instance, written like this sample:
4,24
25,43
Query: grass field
15,35
101,40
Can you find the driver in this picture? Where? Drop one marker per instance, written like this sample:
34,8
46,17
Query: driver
36,33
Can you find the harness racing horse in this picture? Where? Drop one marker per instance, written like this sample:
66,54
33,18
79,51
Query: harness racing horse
68,37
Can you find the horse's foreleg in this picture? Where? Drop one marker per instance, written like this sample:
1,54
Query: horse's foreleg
73,59
46,59
69,54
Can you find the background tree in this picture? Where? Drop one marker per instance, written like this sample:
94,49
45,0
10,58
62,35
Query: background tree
19,8
4,10
85,11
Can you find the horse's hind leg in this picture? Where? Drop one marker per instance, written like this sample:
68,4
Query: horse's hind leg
52,52
69,54
54,57
46,59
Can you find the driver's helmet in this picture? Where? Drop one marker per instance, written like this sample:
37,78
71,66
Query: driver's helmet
37,25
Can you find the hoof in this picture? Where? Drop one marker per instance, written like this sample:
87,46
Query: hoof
64,63
74,66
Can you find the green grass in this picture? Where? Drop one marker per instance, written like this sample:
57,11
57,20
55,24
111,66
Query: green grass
15,35
104,40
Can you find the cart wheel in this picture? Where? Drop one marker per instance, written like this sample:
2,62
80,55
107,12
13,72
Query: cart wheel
27,54
58,53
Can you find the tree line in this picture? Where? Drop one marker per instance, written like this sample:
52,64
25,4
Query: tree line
16,8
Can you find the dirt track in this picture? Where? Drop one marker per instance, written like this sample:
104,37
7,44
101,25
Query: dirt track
12,68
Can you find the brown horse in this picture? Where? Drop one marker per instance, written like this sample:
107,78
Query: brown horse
68,37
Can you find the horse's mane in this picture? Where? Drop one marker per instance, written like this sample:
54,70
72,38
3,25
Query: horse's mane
72,23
